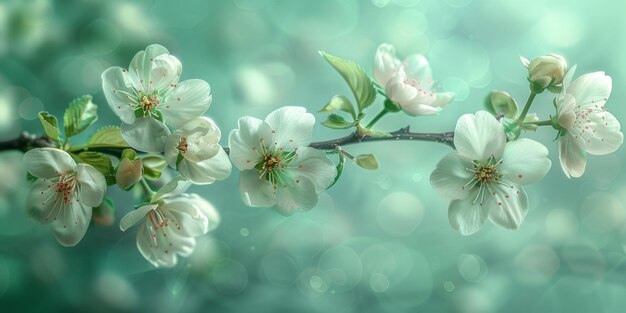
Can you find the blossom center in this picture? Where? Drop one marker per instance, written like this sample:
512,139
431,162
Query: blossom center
485,175
65,187
146,104
183,146
272,164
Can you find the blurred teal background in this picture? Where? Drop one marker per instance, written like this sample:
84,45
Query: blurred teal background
378,241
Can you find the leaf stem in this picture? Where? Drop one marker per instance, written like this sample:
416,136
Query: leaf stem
527,106
146,189
540,123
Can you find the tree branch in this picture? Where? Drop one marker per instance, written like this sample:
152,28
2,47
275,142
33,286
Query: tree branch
26,142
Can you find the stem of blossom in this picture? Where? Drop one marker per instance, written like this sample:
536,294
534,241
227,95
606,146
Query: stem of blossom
146,189
529,102
377,117
540,123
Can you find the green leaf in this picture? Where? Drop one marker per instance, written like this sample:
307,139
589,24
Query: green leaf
100,162
339,103
366,161
109,136
361,85
335,121
50,127
342,159
79,115
104,214
153,165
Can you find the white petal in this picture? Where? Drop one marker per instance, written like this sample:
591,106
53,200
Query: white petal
190,99
295,196
208,210
165,72
451,176
135,216
567,79
419,109
385,63
188,219
170,148
245,148
163,251
207,171
203,138
92,184
525,161
256,192
443,98
600,133
524,61
508,207
313,165
292,126
117,91
42,203
146,134
141,65
466,216
72,223
573,158
398,90
479,136
418,69
48,162
590,89
176,186
565,106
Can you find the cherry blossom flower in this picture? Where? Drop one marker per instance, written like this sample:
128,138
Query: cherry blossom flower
148,97
194,150
64,193
172,220
277,168
587,127
408,84
484,177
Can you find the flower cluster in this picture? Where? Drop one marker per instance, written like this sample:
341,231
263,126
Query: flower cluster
162,124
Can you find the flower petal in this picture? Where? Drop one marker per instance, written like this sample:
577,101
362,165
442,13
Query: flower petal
590,89
451,176
244,144
163,252
48,162
398,90
565,106
296,195
146,134
135,216
442,99
385,63
186,218
117,91
72,223
419,109
479,136
190,99
207,209
567,79
41,201
508,207
92,185
525,161
292,127
207,171
466,216
418,69
165,72
141,66
601,133
312,164
572,156
176,186
256,192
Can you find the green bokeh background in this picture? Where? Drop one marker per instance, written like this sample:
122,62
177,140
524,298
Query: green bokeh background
377,241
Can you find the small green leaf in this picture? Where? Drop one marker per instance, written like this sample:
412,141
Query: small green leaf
139,112
179,159
361,85
339,103
109,136
153,165
50,126
342,159
366,161
392,107
100,162
79,115
104,214
335,121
